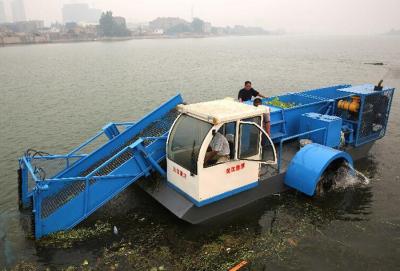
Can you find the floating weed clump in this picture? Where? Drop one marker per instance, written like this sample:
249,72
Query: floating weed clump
278,103
151,246
25,266
148,243
135,257
66,239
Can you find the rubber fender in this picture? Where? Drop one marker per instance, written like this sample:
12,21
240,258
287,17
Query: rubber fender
308,165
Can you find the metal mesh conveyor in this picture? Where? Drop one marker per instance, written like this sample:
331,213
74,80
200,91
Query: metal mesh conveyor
155,129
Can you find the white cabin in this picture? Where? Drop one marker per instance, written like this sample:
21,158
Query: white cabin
204,182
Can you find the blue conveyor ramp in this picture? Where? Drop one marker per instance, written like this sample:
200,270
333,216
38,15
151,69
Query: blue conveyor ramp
86,182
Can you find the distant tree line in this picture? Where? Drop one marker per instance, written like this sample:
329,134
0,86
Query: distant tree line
111,26
196,26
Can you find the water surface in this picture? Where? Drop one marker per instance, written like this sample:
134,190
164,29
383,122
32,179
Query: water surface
54,96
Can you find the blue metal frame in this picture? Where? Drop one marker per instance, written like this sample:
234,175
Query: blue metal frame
285,121
145,158
105,188
293,137
97,189
365,91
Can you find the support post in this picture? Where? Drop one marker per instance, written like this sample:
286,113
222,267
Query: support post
37,202
111,130
24,199
86,197
153,163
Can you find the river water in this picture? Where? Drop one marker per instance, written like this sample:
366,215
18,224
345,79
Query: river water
54,96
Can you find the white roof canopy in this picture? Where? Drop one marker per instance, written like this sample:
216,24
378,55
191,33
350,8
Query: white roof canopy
219,111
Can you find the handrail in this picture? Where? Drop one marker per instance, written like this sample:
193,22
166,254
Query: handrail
311,96
59,156
127,123
294,136
28,165
154,137
107,162
90,176
87,142
73,179
66,157
122,151
90,140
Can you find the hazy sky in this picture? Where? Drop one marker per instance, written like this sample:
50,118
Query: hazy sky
299,16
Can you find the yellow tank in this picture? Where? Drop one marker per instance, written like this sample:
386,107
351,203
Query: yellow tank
352,106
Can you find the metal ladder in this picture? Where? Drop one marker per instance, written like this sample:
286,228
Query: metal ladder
282,123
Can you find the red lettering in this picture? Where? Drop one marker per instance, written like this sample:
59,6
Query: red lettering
238,167
179,172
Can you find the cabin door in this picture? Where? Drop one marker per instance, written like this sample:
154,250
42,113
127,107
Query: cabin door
254,143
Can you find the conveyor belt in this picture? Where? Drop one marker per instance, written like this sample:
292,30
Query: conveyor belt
155,129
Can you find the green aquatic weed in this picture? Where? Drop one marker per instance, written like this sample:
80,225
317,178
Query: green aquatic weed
278,103
66,239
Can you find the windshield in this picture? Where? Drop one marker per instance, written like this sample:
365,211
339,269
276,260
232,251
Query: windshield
185,141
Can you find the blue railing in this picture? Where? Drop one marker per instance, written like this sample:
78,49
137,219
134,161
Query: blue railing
66,196
95,190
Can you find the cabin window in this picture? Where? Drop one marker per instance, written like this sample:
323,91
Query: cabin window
226,145
249,144
185,141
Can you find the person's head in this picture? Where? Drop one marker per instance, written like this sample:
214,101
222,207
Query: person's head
247,85
257,102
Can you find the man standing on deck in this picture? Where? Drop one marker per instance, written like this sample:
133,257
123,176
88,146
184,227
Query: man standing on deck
246,93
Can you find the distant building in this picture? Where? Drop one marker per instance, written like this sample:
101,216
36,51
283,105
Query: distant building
2,13
239,29
18,10
207,27
218,30
158,32
166,23
26,26
70,25
247,30
80,13
10,40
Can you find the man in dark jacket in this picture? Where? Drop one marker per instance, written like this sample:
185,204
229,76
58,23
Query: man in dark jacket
246,93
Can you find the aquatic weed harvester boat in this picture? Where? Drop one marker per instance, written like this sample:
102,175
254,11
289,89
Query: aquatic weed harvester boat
342,122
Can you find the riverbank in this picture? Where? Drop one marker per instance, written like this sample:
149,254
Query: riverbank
13,42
